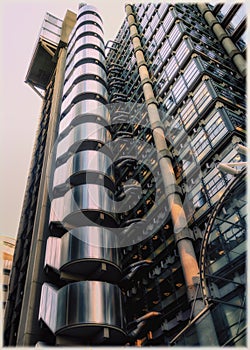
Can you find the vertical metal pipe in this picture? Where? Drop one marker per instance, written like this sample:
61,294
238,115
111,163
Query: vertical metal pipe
183,236
224,39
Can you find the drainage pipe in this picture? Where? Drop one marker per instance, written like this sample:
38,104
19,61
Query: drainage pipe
183,235
224,39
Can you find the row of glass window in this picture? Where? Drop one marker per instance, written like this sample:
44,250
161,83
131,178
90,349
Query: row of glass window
210,188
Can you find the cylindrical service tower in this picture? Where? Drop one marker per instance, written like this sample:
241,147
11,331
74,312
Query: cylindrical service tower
87,307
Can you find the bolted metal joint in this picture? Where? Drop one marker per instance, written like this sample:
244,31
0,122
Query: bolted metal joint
138,48
146,81
157,124
185,233
135,35
165,153
142,63
151,100
173,189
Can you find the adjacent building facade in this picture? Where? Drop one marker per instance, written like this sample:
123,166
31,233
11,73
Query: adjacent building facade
7,246
134,220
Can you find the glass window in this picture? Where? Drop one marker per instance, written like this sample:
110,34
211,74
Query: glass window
191,73
154,22
171,68
214,182
168,21
162,9
200,144
202,97
174,35
189,114
215,127
169,102
144,22
179,89
225,9
150,11
182,52
160,33
165,50
241,42
152,47
198,196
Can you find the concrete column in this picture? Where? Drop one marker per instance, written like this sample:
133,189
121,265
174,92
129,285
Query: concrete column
224,39
29,332
183,235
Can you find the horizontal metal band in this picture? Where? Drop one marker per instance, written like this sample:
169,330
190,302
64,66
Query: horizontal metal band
173,189
185,233
165,153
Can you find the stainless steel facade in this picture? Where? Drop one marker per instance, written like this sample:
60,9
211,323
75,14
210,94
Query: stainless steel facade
137,243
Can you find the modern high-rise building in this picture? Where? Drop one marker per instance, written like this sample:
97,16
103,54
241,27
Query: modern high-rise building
133,229
7,246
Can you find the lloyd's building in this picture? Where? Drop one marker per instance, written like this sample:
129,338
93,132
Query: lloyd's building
133,228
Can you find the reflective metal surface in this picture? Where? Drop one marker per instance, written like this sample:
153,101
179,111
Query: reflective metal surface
84,40
89,17
84,54
80,71
53,253
87,28
84,252
79,112
78,201
83,87
80,133
87,8
83,20
81,309
48,306
85,161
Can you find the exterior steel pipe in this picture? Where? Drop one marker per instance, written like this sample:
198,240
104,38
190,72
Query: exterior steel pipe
80,112
183,236
224,39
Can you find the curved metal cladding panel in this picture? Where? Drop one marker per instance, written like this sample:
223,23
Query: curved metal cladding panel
89,306
85,251
53,252
70,209
80,90
87,40
89,8
79,113
84,55
85,161
82,133
84,309
48,306
80,72
85,29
